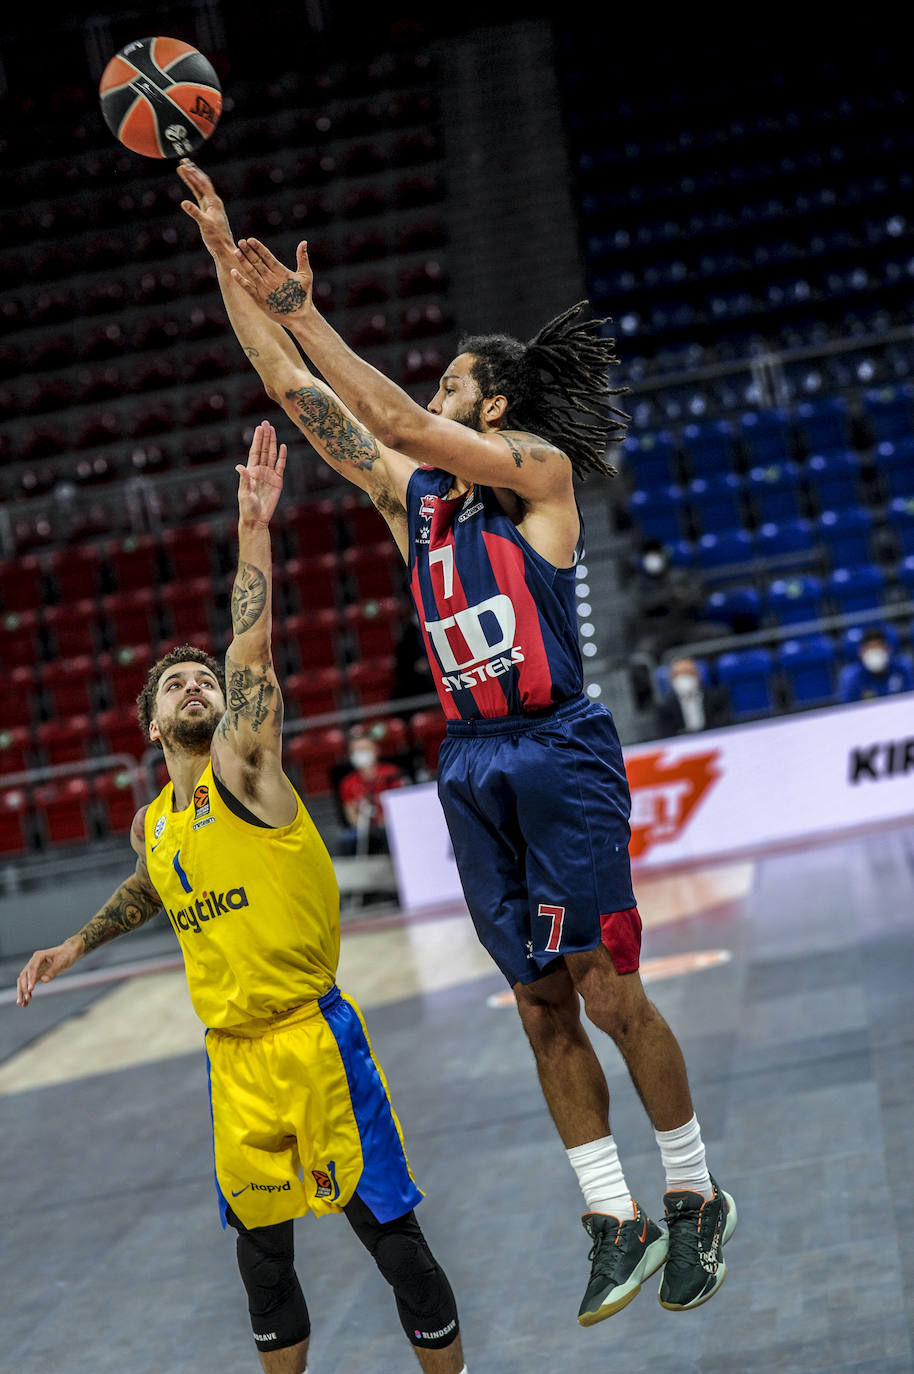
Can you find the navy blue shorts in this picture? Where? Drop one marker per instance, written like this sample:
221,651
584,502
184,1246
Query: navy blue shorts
537,808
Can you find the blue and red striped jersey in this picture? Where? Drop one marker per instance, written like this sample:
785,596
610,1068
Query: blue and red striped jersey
499,621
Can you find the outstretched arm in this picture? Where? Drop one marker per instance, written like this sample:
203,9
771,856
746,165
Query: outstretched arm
521,462
342,441
133,904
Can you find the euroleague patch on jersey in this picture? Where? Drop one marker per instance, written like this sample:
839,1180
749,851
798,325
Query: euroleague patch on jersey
201,801
325,1182
664,795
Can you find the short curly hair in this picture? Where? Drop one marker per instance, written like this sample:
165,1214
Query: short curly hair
182,653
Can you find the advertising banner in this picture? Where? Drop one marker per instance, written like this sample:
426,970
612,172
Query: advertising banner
715,795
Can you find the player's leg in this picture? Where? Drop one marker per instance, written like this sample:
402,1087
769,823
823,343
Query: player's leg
279,1314
425,1301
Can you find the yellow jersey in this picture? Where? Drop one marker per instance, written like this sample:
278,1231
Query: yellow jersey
255,908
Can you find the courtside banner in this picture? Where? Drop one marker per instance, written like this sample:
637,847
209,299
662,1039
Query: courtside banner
717,794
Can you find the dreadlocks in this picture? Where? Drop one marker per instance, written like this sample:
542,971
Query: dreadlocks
557,385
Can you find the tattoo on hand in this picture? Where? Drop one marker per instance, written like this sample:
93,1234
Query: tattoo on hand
249,597
344,439
291,295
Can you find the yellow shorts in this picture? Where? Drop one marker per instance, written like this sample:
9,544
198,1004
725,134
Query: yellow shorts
302,1118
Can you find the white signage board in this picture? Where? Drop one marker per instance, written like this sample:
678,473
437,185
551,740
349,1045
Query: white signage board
715,795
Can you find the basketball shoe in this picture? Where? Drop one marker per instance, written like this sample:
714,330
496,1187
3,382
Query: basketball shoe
698,1231
624,1254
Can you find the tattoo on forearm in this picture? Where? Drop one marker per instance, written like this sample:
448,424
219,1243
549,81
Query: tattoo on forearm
249,597
344,439
131,906
291,295
252,696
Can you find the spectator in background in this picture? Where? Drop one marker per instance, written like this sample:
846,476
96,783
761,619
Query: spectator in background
879,670
691,703
360,795
670,604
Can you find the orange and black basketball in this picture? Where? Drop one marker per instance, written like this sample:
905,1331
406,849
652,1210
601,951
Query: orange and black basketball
160,97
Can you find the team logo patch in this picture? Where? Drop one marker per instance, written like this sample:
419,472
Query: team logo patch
427,507
325,1182
160,826
201,802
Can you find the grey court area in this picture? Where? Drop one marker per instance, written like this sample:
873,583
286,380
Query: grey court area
800,1054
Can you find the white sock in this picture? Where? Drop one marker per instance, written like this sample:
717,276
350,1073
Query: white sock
601,1178
683,1156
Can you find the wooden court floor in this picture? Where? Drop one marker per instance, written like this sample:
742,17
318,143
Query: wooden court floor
790,983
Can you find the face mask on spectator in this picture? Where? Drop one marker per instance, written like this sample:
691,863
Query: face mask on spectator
875,660
684,684
362,758
653,563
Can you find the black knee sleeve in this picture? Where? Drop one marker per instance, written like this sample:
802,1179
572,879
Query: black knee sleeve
425,1301
279,1313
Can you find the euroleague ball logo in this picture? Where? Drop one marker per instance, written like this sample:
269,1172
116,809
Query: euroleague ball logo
665,794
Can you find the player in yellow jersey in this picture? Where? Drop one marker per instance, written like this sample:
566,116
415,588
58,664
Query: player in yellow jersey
302,1120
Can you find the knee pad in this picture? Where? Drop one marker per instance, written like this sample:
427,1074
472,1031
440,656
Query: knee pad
425,1302
279,1313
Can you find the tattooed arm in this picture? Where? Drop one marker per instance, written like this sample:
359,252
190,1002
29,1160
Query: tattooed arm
133,904
339,438
247,746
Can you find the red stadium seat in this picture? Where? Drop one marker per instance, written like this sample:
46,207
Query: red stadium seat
15,749
73,628
312,756
372,680
63,811
187,608
21,583
118,732
311,528
374,570
390,734
310,583
123,673
192,550
19,639
14,813
315,692
133,561
362,523
311,639
130,617
428,730
75,572
375,626
116,800
64,741
68,686
22,698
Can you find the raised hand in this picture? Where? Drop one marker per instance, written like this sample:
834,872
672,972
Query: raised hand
208,212
260,482
279,292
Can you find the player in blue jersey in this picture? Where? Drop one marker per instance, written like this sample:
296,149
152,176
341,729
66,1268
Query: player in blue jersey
478,492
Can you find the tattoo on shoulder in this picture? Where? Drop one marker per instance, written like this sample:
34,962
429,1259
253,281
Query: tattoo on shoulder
249,597
529,446
344,439
291,295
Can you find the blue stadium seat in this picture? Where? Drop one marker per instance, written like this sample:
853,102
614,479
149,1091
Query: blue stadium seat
659,514
900,517
709,446
905,573
747,676
807,668
714,502
834,479
793,600
723,548
846,534
823,425
894,459
775,492
767,436
856,589
777,537
739,607
889,412
652,459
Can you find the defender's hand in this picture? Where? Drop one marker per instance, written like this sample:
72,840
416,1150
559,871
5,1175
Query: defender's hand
44,965
281,294
209,211
260,483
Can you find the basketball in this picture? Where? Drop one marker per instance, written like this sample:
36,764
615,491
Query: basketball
160,97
